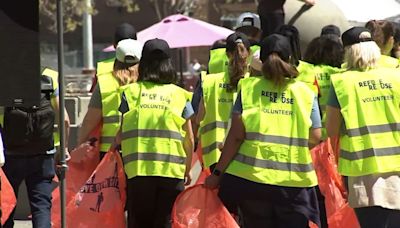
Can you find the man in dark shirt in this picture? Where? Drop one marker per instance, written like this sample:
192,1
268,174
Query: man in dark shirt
272,14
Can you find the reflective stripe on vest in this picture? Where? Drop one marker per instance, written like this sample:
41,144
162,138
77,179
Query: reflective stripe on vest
369,104
267,164
105,66
218,103
154,156
152,134
373,129
110,100
277,122
371,152
213,125
276,139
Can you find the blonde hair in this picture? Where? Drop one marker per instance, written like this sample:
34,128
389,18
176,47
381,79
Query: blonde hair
125,73
362,56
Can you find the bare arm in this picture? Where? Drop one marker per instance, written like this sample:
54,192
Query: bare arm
314,137
199,117
90,122
333,121
188,145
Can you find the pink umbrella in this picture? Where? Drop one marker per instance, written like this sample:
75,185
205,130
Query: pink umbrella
182,31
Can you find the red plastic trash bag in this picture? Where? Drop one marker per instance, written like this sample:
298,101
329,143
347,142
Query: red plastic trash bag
84,161
330,182
100,201
345,217
199,207
8,200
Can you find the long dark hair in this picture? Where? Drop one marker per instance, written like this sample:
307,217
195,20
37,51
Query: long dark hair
160,71
325,50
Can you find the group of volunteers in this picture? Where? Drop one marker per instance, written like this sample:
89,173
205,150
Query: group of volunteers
255,114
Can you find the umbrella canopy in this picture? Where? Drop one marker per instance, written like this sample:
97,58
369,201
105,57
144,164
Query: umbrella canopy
182,31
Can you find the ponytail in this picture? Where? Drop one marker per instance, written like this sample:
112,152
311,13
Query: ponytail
277,70
237,65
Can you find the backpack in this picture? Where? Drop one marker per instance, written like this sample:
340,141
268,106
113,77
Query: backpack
29,131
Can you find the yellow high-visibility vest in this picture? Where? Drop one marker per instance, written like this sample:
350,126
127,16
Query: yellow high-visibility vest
369,103
152,133
277,123
218,104
110,100
105,66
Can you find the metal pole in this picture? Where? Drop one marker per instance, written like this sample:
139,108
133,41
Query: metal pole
63,164
181,62
87,37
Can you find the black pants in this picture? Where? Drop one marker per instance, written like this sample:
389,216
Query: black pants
256,213
270,22
263,205
150,201
38,172
322,209
378,217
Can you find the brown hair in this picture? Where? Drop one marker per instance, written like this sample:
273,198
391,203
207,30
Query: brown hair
125,73
325,50
277,70
237,65
381,31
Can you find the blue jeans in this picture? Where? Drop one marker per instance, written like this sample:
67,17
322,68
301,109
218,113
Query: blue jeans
38,172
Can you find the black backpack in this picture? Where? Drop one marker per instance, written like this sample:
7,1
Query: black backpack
29,131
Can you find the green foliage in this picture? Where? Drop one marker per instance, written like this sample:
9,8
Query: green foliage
74,10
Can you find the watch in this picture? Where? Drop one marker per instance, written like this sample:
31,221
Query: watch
216,172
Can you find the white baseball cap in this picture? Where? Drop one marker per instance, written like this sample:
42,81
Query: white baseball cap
248,19
129,51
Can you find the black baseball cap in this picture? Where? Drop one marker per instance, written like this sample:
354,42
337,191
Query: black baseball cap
356,35
156,49
275,43
235,38
124,31
330,30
